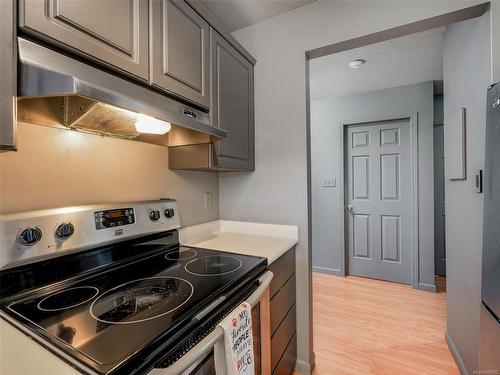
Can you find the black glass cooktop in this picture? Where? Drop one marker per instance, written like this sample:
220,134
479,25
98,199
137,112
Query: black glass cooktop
105,317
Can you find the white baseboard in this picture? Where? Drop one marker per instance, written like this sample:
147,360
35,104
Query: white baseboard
330,271
304,368
427,287
455,354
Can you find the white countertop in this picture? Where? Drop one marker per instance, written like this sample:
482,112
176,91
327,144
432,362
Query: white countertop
21,355
264,240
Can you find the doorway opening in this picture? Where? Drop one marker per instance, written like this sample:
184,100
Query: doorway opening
439,190
372,159
377,197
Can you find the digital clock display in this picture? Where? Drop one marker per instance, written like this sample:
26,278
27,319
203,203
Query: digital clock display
114,214
114,218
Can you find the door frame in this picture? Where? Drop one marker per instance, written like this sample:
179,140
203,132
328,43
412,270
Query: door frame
412,118
439,125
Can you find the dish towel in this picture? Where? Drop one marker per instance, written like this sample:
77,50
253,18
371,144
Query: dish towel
234,355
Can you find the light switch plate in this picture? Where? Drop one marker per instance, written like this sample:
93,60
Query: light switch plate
329,182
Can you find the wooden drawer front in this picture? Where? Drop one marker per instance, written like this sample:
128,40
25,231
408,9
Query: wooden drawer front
112,32
282,337
287,362
282,302
282,268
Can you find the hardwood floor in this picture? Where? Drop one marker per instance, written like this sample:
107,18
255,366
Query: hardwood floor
366,326
440,283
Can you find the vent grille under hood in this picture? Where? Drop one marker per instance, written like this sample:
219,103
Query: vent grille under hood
56,90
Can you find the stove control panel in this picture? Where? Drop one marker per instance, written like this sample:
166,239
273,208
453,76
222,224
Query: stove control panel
30,236
114,218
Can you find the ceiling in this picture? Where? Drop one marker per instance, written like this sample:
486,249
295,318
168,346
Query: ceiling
237,14
397,62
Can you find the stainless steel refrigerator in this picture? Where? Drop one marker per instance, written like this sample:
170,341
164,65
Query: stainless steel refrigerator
489,355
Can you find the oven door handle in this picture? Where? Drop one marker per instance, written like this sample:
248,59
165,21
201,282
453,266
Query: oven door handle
264,282
200,350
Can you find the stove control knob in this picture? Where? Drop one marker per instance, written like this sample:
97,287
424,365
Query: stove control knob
154,215
169,213
29,236
65,231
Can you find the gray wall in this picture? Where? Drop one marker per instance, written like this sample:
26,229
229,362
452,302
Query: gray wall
58,168
467,73
495,39
327,116
277,191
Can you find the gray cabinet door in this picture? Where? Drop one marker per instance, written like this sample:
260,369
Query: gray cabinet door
180,41
113,32
232,105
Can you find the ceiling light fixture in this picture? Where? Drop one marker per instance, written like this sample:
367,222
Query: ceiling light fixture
150,125
355,64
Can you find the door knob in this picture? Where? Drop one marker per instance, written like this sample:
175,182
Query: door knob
349,207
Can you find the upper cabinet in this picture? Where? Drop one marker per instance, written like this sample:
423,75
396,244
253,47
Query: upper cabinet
8,75
114,32
180,56
232,105
175,46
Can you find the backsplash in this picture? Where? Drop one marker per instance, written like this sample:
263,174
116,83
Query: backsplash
58,168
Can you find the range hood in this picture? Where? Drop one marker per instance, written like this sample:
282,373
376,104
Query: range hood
57,90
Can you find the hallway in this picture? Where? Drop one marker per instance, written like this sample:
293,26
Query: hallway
366,326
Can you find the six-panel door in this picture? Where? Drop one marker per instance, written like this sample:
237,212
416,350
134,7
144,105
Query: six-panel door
180,56
232,104
378,171
114,32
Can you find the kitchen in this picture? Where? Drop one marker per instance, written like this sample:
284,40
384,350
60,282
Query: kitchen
55,168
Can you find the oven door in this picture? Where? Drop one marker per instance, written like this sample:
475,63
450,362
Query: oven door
205,367
200,360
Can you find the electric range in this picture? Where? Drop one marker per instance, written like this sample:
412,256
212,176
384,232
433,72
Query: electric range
128,305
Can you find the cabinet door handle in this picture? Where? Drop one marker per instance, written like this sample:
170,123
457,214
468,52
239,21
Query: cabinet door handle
190,113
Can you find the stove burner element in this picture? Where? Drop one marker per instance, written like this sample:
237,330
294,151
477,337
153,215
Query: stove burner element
68,298
213,265
182,254
141,300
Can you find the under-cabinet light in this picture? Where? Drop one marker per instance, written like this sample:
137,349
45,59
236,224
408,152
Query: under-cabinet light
150,125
